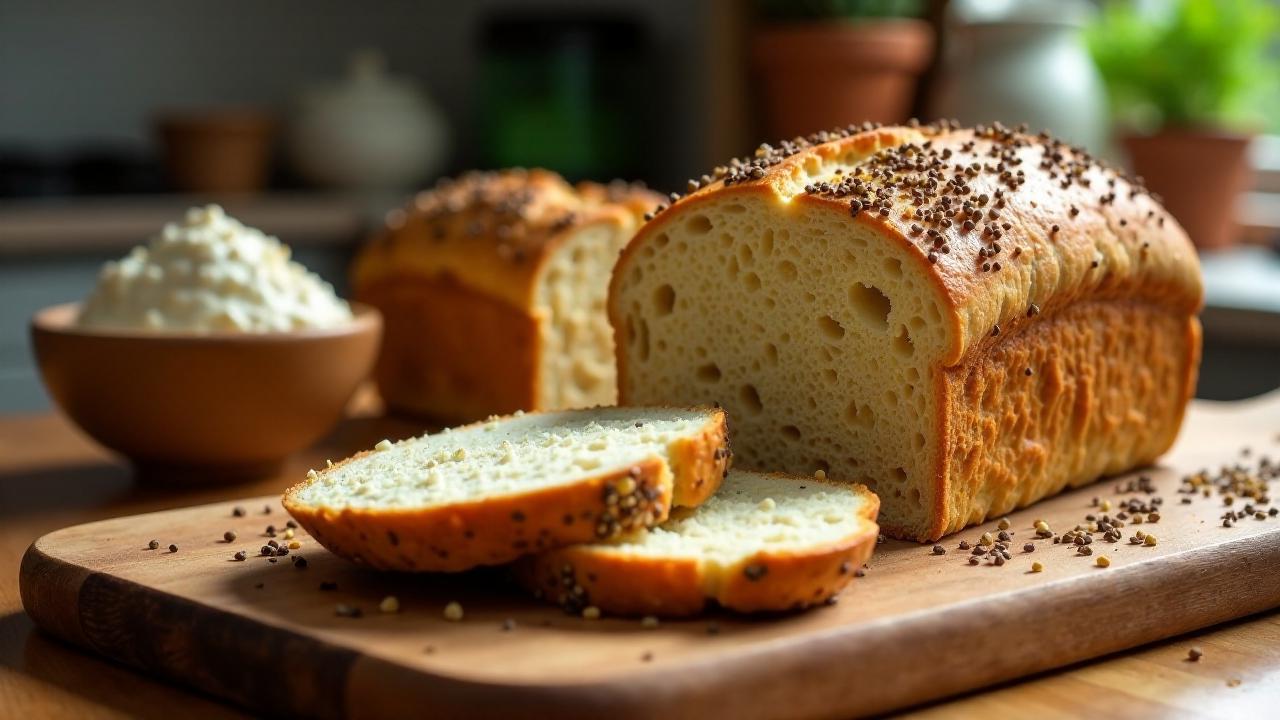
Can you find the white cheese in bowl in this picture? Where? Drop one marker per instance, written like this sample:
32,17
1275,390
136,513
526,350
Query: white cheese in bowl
210,273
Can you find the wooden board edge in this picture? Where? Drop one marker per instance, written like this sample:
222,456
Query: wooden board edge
250,663
889,665
258,665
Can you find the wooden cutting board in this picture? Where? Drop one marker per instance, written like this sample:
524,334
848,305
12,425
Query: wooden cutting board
917,627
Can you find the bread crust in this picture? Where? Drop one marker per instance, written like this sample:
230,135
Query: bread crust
493,232
1078,235
451,353
497,530
621,584
456,276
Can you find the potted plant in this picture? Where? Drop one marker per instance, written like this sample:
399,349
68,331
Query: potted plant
1186,84
828,63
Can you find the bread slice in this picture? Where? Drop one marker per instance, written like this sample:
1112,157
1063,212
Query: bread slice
764,542
490,492
964,320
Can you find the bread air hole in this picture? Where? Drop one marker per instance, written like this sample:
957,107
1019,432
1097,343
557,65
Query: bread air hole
698,225
787,270
752,281
870,305
709,373
661,240
893,266
860,415
766,242
664,300
830,328
751,399
902,346
791,432
771,353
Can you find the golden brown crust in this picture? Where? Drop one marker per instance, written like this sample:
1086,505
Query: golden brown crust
493,231
475,359
1094,390
619,583
1004,191
491,531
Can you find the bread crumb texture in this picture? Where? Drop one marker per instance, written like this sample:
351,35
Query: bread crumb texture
498,457
964,320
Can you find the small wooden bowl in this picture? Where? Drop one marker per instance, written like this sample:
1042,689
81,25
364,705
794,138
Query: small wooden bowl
203,407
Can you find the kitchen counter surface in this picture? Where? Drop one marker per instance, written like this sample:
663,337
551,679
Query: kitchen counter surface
51,476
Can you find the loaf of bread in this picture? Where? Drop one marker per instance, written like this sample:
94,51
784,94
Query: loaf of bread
492,291
966,320
763,542
490,492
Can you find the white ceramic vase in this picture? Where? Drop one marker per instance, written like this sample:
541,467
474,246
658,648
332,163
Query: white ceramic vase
1027,64
368,132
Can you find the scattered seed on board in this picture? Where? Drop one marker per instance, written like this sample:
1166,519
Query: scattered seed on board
1029,547
939,550
229,536
973,559
1003,524
1194,654
291,525
300,562
453,612
240,555
649,622
294,545
591,612
646,657
1150,541
173,548
153,544
347,611
1037,567
237,511
1084,549
508,625
266,509
1103,561
288,534
389,604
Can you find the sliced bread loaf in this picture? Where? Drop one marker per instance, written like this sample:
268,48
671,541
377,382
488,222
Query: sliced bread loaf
764,542
490,492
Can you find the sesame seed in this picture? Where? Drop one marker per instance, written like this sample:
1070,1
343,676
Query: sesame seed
173,548
453,612
153,544
389,604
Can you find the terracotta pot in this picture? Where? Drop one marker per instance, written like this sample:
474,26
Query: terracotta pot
222,151
1199,174
215,407
817,76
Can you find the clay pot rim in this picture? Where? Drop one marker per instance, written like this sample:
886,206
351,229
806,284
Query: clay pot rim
899,43
60,320
244,119
1199,132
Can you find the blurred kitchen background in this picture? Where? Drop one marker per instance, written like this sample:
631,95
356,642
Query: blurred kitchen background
311,119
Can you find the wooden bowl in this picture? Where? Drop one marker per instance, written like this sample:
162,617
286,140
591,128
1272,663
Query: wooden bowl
203,407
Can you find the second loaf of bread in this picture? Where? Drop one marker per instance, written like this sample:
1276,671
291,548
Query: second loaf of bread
492,290
966,320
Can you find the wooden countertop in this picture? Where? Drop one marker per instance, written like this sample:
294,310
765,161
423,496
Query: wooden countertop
52,477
